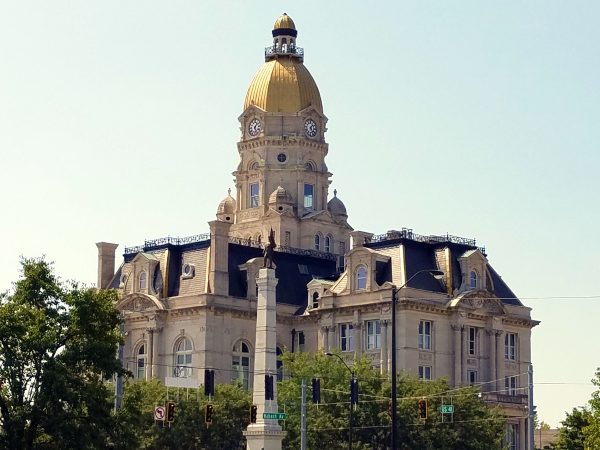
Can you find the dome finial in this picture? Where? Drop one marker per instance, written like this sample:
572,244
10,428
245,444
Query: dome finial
229,191
335,192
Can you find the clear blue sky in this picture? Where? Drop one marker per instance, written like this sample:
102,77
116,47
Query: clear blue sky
118,122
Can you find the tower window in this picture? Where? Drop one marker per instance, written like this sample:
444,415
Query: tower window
328,241
281,157
315,300
254,190
309,196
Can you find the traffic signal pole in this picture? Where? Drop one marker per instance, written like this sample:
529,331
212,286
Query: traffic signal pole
303,416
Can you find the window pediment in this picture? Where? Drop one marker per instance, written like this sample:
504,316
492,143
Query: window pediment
139,303
480,301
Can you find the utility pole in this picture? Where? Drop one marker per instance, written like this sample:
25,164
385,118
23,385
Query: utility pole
303,416
531,425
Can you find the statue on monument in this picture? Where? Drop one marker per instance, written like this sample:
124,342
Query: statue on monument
269,248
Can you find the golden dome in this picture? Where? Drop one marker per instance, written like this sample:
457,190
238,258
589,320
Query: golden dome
283,85
284,21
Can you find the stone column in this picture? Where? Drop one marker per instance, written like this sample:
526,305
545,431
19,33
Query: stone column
331,340
357,336
150,353
465,354
383,360
522,435
457,354
499,360
265,434
325,335
492,363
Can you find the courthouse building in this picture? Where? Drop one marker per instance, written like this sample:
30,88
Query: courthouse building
190,303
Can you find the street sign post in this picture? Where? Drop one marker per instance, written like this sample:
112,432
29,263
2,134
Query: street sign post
275,416
447,409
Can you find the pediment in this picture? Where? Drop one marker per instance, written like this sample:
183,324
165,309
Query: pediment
140,303
251,111
480,301
312,111
145,257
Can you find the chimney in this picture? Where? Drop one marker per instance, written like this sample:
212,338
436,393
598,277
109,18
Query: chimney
106,263
360,238
219,257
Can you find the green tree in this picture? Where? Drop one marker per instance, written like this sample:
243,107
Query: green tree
475,425
57,340
231,416
570,435
592,430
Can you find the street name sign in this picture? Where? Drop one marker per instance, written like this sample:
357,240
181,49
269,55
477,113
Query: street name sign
275,416
447,409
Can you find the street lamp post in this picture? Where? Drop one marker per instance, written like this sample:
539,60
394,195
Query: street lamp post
437,274
352,381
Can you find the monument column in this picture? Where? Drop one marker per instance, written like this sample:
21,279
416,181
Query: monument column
265,434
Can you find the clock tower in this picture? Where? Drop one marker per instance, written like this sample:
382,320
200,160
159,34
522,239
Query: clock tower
282,181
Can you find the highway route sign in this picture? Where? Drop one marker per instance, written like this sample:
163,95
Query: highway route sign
275,416
159,413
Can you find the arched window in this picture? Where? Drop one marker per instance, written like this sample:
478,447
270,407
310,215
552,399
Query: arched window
279,364
315,300
143,280
140,362
473,280
328,241
183,358
361,277
240,363
317,242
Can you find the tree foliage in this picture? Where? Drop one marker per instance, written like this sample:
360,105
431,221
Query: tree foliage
475,425
57,340
231,416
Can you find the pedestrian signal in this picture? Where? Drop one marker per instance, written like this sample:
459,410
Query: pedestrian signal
253,411
208,413
170,412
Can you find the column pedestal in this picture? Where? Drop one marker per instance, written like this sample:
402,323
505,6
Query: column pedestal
265,434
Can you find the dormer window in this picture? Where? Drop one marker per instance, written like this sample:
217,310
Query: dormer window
143,281
473,280
315,300
361,277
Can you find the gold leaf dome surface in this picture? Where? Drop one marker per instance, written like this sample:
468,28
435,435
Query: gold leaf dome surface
283,85
284,21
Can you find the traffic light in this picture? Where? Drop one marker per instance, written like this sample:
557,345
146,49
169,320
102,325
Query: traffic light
170,412
354,391
316,390
253,411
209,382
269,387
208,413
423,409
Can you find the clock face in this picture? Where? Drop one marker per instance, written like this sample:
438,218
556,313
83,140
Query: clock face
310,128
254,127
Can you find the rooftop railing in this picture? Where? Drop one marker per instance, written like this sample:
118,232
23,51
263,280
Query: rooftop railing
407,233
284,50
154,244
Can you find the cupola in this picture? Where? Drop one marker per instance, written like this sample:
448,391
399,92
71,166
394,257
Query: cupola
336,207
226,208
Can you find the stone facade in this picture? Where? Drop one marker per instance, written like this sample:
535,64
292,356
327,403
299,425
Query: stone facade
190,304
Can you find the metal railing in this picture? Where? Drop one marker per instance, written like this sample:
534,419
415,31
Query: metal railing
161,242
407,233
284,50
157,243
